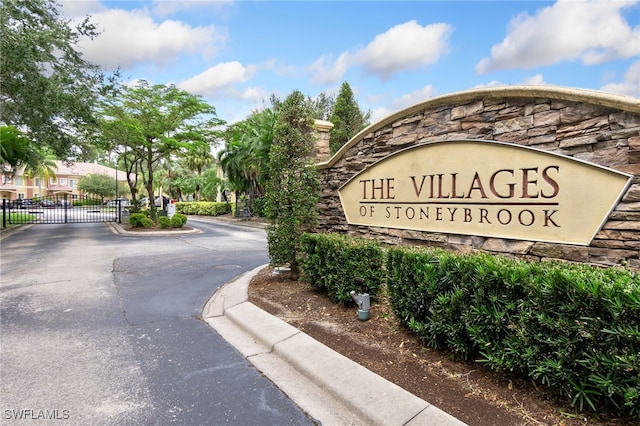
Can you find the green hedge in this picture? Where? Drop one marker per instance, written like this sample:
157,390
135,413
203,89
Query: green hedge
178,220
331,262
136,219
87,202
574,329
203,208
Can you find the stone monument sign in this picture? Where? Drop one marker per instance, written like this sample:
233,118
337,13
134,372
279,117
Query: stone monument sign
533,172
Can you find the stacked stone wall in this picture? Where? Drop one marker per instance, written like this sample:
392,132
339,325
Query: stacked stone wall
590,126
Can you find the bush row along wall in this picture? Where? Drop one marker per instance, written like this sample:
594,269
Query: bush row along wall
573,329
203,208
591,126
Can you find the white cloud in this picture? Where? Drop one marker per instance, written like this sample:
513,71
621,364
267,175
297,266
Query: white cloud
414,97
492,83
402,102
332,73
405,46
630,84
76,9
380,113
170,7
218,79
591,31
254,94
535,80
132,37
280,68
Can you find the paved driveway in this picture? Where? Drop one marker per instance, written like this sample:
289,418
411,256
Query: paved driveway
98,328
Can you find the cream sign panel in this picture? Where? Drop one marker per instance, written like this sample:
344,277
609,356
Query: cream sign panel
487,189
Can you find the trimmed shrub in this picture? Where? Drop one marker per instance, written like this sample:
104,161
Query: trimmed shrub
203,208
574,329
331,262
571,328
135,219
87,202
147,222
178,220
164,222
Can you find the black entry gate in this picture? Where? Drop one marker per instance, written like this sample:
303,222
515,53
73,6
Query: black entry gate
59,209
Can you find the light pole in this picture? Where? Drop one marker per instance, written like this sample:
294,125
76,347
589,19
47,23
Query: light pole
116,181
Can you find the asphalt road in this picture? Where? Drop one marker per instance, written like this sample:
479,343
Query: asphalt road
104,329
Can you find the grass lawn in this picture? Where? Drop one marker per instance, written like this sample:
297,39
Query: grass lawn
14,219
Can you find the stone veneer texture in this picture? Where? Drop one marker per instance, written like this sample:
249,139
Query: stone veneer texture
591,126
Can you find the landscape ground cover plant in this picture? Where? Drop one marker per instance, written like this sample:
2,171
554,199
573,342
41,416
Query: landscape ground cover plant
13,219
203,208
573,330
141,220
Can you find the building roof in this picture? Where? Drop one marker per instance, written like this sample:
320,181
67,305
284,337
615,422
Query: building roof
83,169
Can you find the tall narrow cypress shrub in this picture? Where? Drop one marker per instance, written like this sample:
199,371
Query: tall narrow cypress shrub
293,189
347,118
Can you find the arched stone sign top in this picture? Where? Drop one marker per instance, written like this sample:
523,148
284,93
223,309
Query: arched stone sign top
469,105
534,172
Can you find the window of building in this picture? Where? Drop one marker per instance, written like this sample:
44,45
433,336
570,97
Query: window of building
63,181
18,181
6,179
72,183
37,182
53,181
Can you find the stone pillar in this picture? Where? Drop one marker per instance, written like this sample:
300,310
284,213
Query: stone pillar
322,151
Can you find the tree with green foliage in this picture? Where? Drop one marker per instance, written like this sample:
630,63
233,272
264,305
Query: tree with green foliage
46,167
245,157
47,89
149,124
103,186
322,105
197,160
16,151
347,118
212,184
293,188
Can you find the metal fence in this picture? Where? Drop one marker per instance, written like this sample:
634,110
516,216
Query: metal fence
60,209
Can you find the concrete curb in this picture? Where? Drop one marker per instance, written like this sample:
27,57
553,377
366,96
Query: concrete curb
328,386
117,229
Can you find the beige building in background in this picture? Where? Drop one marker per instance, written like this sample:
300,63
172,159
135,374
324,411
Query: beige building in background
65,181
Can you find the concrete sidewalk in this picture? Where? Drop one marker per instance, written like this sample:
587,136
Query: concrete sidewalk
328,386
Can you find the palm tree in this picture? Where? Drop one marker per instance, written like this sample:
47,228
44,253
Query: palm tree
232,158
44,169
212,184
197,160
245,157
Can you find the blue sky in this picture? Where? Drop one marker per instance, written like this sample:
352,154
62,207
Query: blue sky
393,54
